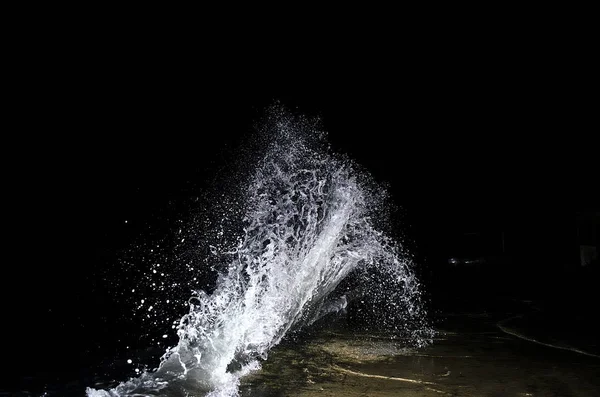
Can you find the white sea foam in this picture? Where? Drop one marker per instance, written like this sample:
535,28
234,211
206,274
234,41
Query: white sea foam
307,226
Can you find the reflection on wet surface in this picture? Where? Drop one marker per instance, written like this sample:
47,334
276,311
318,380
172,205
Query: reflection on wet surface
471,356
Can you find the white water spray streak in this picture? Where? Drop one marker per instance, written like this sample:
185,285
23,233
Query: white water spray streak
307,227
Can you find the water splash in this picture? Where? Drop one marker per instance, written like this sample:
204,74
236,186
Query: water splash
308,224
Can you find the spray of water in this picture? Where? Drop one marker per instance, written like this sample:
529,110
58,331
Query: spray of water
308,224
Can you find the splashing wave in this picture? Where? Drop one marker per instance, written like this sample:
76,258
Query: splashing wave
308,225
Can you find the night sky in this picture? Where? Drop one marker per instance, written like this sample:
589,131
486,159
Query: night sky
489,142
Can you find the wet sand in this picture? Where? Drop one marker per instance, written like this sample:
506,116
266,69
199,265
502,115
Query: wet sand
476,354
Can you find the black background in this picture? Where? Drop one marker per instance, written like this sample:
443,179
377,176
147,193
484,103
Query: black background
479,134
